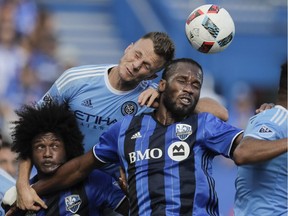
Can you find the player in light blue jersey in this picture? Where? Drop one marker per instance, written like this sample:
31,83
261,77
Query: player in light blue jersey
95,102
167,154
261,189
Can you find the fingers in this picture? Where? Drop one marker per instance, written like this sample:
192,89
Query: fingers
40,202
147,97
264,106
31,201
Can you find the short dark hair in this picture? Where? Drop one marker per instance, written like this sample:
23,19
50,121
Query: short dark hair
172,66
163,45
36,119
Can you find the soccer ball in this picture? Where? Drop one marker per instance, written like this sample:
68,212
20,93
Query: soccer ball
210,29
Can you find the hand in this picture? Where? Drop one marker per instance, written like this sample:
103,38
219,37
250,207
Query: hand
27,199
149,98
264,106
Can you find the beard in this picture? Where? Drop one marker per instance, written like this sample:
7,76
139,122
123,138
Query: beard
178,111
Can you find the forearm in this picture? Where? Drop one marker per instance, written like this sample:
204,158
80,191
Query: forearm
251,150
24,168
70,173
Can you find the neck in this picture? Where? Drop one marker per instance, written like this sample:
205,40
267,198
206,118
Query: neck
117,82
165,117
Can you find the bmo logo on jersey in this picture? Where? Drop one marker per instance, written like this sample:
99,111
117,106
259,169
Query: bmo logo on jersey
177,151
146,155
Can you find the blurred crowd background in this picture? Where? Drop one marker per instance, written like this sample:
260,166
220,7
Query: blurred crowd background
39,39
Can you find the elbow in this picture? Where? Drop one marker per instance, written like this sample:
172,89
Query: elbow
225,115
241,157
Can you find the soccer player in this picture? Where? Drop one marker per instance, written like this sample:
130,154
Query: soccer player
167,154
101,95
49,135
261,189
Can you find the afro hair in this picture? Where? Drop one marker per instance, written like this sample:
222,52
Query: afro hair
37,119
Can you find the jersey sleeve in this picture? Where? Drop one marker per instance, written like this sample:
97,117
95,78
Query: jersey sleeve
219,135
267,126
153,85
108,191
106,150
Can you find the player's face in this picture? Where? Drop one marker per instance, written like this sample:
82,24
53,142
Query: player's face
183,90
48,153
8,161
140,62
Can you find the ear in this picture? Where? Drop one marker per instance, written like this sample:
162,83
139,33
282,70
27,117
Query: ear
154,76
162,85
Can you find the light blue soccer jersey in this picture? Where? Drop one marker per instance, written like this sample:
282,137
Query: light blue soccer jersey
261,189
95,103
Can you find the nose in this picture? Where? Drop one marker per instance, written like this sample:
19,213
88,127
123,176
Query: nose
188,88
137,64
47,152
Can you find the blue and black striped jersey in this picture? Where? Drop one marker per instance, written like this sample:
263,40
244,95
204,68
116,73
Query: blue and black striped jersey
168,168
89,198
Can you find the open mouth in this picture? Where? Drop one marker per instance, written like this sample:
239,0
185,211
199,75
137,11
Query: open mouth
186,100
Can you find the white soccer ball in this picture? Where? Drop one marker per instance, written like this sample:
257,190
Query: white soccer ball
210,28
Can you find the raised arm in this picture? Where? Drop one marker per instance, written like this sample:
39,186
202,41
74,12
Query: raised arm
26,198
70,173
212,106
252,150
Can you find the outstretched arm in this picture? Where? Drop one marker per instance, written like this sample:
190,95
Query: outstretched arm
70,173
252,150
212,106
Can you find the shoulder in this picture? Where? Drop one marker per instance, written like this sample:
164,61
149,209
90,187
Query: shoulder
81,74
276,115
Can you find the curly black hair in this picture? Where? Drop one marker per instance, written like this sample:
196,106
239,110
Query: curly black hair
36,119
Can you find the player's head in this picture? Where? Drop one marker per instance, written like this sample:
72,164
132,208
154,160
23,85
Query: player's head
282,91
180,86
37,120
145,57
8,159
163,45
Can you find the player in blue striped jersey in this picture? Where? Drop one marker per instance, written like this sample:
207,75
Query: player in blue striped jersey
50,136
261,189
167,154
